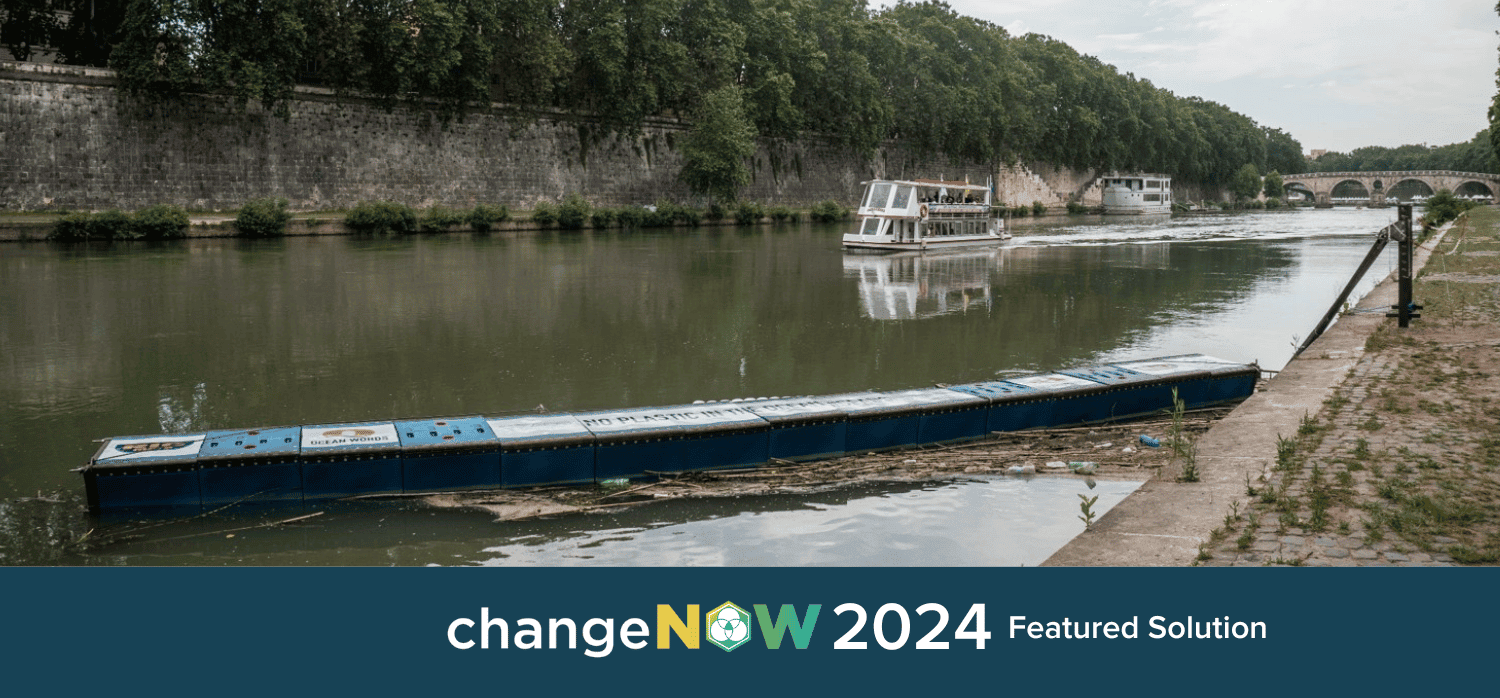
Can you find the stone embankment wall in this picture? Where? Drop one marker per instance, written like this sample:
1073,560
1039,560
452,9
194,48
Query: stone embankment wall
70,139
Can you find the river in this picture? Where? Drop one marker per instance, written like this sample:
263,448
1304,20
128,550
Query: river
142,338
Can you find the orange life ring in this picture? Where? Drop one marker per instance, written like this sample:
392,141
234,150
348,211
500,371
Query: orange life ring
922,210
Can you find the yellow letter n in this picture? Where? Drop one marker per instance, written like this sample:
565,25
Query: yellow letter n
668,622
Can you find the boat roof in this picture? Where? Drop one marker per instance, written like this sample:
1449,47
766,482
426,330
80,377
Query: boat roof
1135,175
931,183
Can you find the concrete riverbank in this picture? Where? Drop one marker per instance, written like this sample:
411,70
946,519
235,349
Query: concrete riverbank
1376,446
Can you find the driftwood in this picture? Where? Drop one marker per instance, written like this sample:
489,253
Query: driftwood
267,524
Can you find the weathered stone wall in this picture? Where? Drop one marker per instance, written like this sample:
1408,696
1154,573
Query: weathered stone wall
70,139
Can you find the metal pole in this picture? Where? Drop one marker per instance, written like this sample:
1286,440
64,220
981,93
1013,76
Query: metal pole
1404,313
1381,239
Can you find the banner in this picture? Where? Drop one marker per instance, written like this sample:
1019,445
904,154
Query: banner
730,631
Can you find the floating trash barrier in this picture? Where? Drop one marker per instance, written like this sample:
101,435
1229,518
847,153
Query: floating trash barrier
330,461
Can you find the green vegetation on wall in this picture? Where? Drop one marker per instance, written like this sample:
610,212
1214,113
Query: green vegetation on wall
715,153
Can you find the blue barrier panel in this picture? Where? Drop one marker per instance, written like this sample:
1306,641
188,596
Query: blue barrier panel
145,471
1124,393
721,435
631,442
339,460
1012,407
878,421
251,465
948,415
547,450
328,461
1133,394
802,428
1201,380
677,438
459,453
1055,398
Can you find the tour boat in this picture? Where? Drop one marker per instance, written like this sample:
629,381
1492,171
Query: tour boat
921,214
1137,194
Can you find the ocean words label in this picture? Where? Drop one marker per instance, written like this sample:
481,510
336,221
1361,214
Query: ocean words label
344,435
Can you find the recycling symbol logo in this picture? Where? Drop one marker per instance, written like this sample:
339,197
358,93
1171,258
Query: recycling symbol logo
728,626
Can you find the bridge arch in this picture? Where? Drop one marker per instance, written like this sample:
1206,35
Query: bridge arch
1350,189
1409,189
1298,188
1473,188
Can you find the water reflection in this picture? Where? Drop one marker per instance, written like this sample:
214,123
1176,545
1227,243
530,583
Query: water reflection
977,522
910,285
915,285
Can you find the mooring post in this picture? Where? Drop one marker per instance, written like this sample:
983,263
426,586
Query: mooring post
1405,308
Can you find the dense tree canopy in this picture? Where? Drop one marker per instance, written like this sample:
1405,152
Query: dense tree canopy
1477,155
1494,112
915,71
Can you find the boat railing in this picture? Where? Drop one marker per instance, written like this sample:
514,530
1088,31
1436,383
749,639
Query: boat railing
958,211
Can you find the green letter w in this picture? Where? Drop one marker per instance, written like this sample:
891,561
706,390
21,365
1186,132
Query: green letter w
801,631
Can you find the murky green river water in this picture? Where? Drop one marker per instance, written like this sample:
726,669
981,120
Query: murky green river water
107,340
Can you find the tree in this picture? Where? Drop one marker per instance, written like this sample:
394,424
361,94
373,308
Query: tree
252,49
25,25
160,42
715,151
1246,182
92,30
1284,152
1495,110
1443,207
1275,186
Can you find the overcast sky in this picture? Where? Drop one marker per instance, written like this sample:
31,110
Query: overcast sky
1336,74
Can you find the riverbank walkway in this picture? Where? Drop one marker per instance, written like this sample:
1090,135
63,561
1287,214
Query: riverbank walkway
1377,446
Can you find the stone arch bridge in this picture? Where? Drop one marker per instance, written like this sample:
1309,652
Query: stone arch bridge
1321,184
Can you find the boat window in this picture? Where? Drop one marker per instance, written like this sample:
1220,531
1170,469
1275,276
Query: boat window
879,194
872,225
903,196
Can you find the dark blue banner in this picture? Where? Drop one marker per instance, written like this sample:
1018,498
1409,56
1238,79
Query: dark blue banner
745,631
